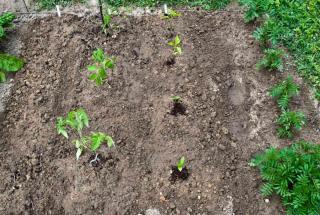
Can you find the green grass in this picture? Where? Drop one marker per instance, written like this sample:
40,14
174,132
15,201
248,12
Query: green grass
294,24
49,4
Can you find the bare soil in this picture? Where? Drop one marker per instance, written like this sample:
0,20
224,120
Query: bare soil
228,119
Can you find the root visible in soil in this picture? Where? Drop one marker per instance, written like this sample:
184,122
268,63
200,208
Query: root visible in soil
178,108
96,160
176,174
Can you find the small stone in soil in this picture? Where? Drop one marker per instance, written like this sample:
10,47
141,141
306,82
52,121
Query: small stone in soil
176,174
178,108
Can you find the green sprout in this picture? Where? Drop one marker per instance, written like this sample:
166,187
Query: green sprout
99,69
176,45
181,163
106,23
176,99
171,14
76,121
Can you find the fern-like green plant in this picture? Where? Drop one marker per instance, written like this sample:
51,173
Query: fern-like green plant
292,173
283,92
76,121
289,121
272,60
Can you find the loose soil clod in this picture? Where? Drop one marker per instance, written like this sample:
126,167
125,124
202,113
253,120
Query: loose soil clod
178,108
177,175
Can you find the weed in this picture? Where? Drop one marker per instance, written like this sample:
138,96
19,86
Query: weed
76,121
9,64
49,4
176,45
292,173
181,163
293,24
289,121
106,23
272,60
102,64
176,99
6,21
172,14
283,92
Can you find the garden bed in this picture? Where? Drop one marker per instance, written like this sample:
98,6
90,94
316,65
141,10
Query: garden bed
229,117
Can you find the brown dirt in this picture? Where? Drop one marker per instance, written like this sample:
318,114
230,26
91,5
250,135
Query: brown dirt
229,118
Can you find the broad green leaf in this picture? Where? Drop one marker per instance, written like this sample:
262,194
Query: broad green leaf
109,140
109,64
171,43
97,139
178,50
177,41
98,55
92,68
10,63
93,77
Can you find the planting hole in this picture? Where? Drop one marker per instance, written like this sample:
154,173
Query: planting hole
179,175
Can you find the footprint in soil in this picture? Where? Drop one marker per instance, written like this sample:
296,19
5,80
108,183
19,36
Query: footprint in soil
176,174
178,108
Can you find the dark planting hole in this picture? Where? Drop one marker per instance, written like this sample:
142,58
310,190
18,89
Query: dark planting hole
178,108
170,61
96,160
176,174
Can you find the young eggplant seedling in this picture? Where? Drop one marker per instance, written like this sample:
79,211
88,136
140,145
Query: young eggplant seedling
99,71
75,122
171,14
176,45
178,107
179,171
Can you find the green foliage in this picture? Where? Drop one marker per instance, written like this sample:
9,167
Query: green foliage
176,99
172,14
292,173
49,4
272,60
293,24
106,22
5,21
205,4
9,64
289,121
284,91
99,71
181,163
76,121
176,45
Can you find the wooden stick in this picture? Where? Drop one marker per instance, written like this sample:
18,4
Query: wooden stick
101,12
25,5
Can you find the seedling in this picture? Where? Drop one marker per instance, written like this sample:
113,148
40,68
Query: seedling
106,23
5,21
172,14
176,45
99,71
76,121
284,91
180,164
292,173
178,107
176,99
288,121
272,60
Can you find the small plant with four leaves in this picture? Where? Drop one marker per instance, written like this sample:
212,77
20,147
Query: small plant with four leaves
76,121
289,121
284,91
176,45
272,60
292,173
99,71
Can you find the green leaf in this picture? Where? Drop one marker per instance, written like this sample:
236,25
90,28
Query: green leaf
110,141
178,50
109,64
61,129
93,77
10,63
97,139
98,56
2,77
92,68
180,164
177,40
79,152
